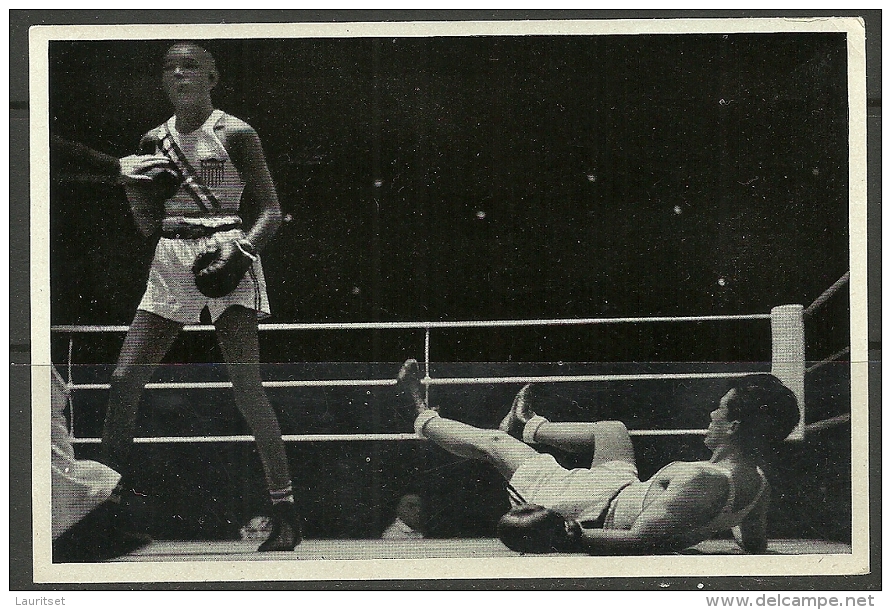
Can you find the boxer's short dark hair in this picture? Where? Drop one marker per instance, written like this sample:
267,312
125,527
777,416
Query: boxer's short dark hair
767,411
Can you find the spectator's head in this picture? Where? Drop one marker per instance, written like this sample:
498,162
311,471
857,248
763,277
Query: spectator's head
409,510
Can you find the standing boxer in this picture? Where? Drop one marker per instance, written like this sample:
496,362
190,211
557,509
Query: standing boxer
204,242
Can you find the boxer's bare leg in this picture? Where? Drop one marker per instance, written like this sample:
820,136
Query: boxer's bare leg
498,448
494,446
237,336
608,440
147,341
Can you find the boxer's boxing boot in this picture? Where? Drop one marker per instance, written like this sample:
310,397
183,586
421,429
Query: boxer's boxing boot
520,413
286,531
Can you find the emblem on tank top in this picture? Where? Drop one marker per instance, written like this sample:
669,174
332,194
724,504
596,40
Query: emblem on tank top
212,171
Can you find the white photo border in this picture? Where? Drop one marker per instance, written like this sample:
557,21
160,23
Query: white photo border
463,568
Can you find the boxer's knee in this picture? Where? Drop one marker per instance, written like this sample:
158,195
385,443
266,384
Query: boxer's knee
611,428
612,442
495,441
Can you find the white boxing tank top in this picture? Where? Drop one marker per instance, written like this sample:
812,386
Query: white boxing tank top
210,161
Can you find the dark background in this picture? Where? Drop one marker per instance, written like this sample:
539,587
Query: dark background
617,175
518,178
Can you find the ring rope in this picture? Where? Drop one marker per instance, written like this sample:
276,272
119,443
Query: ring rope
428,381
218,385
321,438
826,361
76,328
315,438
247,438
324,438
827,293
583,378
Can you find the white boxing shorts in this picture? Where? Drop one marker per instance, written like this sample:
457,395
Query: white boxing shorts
581,493
171,291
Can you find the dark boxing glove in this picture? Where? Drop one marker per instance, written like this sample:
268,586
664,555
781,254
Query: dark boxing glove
218,272
163,172
530,528
165,181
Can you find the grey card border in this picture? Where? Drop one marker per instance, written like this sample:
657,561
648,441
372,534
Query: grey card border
28,565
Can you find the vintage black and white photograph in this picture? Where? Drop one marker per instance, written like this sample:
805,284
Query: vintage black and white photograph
573,299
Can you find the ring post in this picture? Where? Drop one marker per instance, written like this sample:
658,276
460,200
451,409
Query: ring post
787,330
